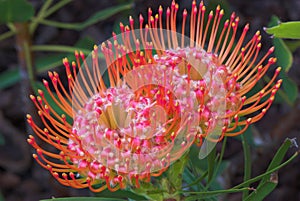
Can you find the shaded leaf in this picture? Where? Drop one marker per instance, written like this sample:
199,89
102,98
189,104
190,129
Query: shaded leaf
1,197
15,11
9,77
195,161
288,91
247,135
2,142
293,45
283,54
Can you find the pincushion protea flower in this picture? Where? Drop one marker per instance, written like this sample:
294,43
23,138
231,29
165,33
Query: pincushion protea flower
165,92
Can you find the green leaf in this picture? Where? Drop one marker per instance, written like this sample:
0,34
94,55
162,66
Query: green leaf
267,173
83,199
207,194
15,11
97,17
195,171
247,162
277,159
265,189
286,30
175,171
193,179
194,159
211,161
120,194
269,181
282,52
193,182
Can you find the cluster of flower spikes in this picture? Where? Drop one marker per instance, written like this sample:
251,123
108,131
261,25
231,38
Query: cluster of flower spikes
158,103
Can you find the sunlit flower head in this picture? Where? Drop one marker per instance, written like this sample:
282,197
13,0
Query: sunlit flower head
161,89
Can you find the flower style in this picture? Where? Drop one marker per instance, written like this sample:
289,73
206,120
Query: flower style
165,92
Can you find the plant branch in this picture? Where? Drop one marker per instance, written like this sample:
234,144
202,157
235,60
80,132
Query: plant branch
247,162
56,7
250,181
40,16
26,68
7,35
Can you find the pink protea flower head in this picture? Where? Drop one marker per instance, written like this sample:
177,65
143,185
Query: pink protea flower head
165,91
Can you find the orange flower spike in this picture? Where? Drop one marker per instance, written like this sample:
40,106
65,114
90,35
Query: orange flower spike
166,92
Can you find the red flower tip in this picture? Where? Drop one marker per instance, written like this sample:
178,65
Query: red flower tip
32,97
40,92
45,82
